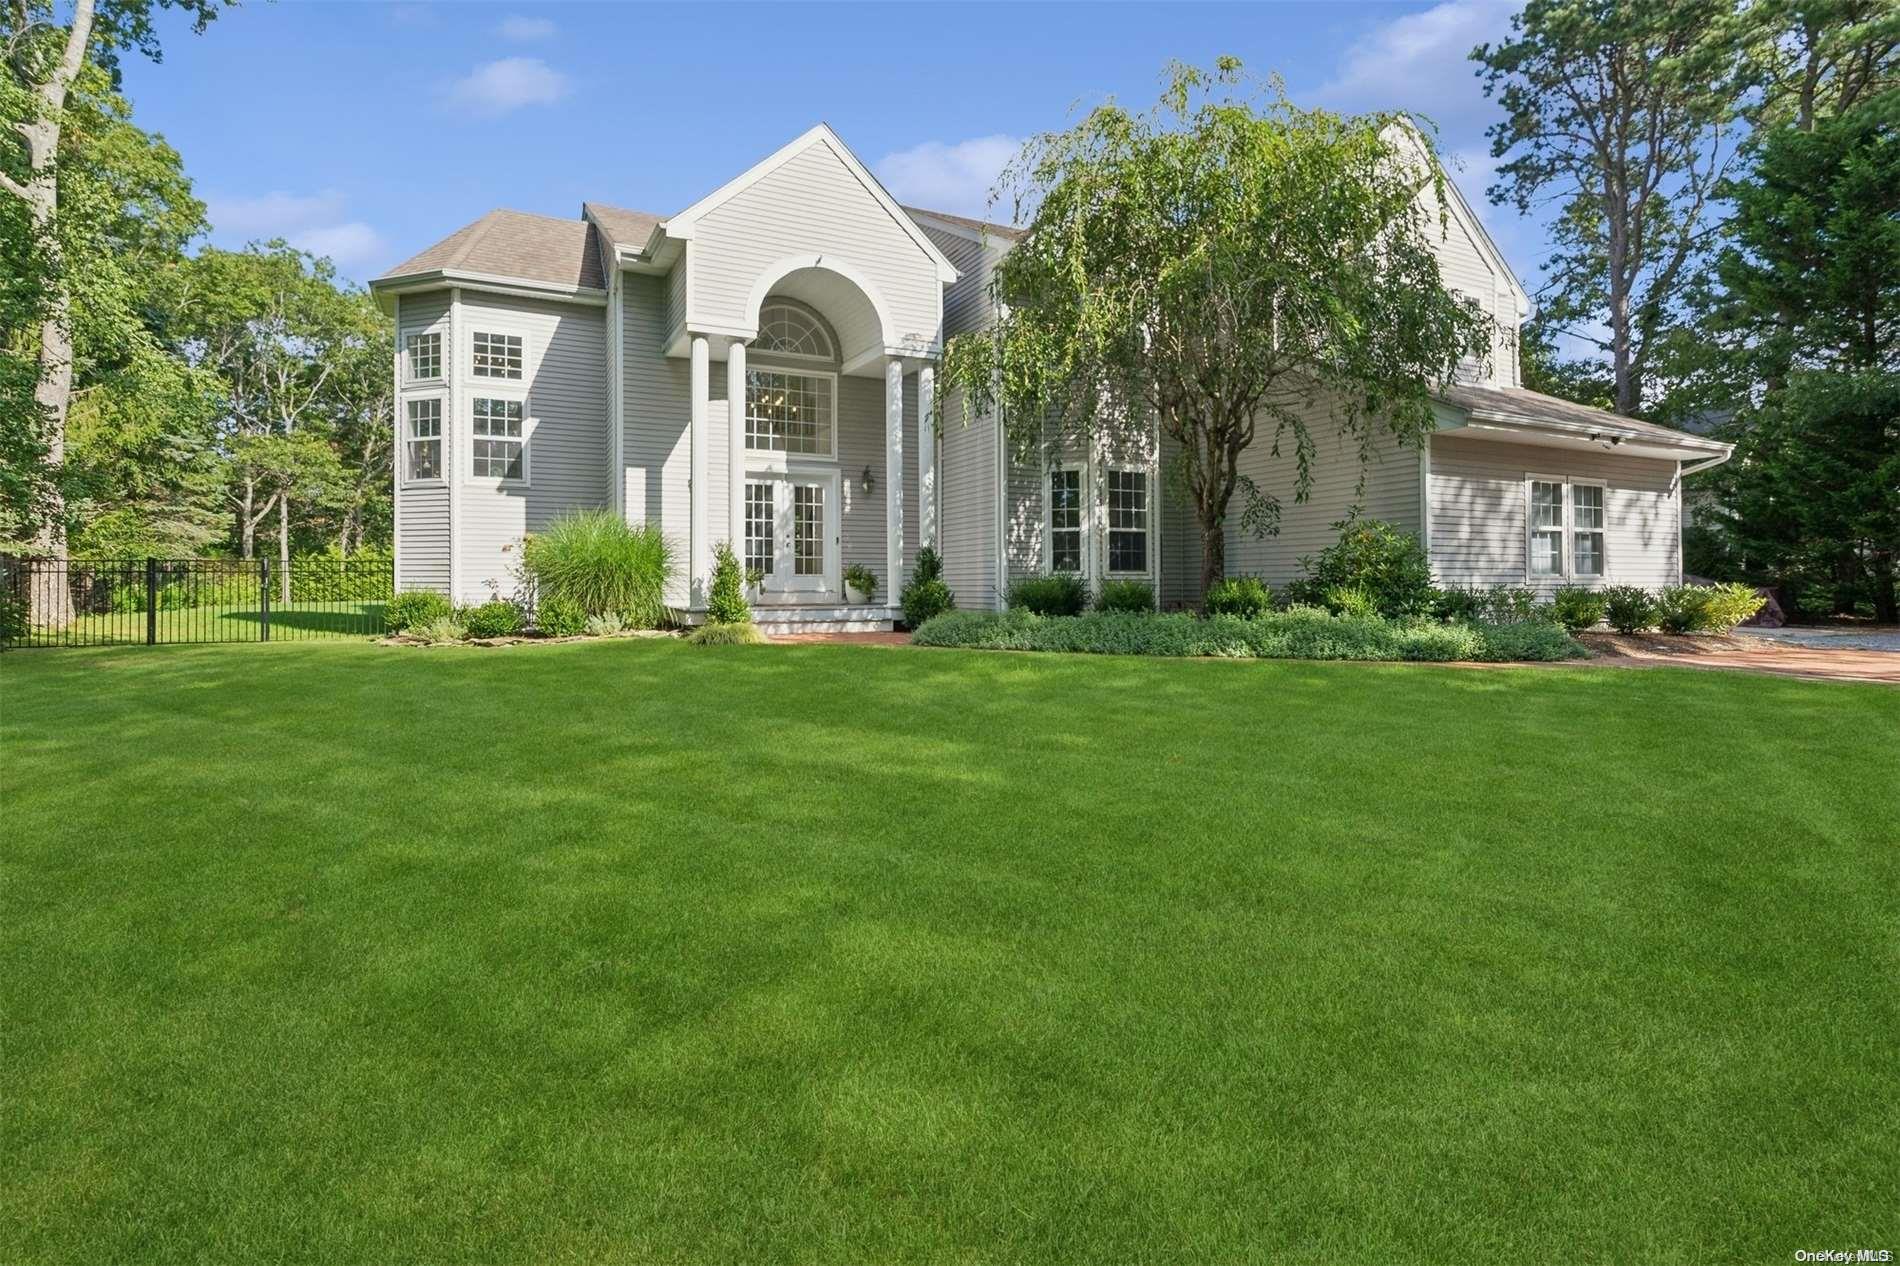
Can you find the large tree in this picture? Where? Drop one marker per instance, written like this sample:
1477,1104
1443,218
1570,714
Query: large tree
1221,265
1622,117
47,54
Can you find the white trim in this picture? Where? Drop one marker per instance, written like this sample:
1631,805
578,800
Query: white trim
1084,487
1681,564
469,477
735,443
440,395
1425,500
779,269
828,586
928,494
451,438
404,337
894,475
490,283
774,456
1147,473
616,386
699,393
395,467
1566,530
682,225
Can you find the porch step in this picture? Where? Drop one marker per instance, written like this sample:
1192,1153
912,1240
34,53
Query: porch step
855,618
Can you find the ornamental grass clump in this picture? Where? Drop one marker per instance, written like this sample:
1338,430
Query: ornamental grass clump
608,566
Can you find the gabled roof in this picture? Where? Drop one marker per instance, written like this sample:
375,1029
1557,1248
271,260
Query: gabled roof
621,227
1008,232
514,244
1520,406
681,225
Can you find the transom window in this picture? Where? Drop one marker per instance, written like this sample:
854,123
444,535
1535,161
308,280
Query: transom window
1127,520
1065,520
789,331
497,355
425,356
787,412
1567,522
424,442
497,438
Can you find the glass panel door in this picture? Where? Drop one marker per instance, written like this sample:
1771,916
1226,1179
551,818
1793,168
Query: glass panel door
801,542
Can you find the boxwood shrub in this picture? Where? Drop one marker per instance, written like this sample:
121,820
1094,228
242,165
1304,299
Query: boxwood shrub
1577,608
1050,595
1126,595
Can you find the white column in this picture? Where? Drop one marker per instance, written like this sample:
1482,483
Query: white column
735,447
699,549
926,456
894,476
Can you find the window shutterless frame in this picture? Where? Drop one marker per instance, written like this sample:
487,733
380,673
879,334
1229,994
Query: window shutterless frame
422,357
421,447
788,412
1065,519
498,435
1127,505
1566,528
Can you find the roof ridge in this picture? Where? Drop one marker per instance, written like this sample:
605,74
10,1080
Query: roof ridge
481,227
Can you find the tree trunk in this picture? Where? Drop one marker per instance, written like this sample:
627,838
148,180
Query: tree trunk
1886,601
53,391
1213,555
283,547
247,519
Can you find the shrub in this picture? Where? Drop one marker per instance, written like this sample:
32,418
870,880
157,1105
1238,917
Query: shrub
332,577
1372,555
1682,609
1577,608
1464,606
1509,604
1297,633
1628,609
1062,594
12,617
605,564
926,596
1731,604
729,633
1526,640
605,625
560,616
493,619
414,609
1351,600
862,579
444,628
1126,595
725,603
1244,596
925,600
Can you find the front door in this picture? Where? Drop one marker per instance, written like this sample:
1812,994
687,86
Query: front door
791,533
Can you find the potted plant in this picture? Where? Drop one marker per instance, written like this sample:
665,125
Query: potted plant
860,584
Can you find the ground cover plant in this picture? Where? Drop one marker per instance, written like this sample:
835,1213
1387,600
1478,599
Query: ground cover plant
1296,633
854,954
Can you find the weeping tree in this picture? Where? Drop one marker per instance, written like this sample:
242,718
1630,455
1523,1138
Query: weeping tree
1230,268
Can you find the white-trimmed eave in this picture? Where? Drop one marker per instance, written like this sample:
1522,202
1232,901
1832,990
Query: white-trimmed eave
386,288
682,225
1605,438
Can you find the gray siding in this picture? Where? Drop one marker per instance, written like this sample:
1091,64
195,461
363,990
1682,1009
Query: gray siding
422,509
1479,534
812,204
1391,492
564,389
656,412
969,471
1180,538
1468,269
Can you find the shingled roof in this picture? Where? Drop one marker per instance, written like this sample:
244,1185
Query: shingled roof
621,226
515,244
1007,232
1522,405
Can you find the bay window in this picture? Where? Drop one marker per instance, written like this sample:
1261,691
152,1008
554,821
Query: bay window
1127,520
496,431
1065,519
423,421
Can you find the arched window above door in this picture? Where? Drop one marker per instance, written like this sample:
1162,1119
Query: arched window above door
786,330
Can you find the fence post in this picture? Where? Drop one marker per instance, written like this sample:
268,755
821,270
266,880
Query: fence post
151,601
263,598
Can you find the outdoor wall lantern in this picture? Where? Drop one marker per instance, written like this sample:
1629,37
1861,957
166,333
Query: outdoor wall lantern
864,480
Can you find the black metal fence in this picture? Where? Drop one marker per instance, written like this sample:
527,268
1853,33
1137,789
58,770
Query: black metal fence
108,601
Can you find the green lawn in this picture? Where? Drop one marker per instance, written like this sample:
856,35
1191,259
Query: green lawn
638,951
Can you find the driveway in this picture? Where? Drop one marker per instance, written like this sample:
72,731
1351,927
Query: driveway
1835,659
1874,639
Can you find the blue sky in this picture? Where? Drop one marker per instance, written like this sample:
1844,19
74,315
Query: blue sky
366,131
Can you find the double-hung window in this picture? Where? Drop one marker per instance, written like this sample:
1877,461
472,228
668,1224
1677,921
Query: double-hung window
423,354
423,420
1065,519
787,412
497,355
1128,520
1568,522
496,432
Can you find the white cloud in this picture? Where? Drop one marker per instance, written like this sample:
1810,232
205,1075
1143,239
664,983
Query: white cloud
526,29
311,222
1422,62
348,245
955,178
508,84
